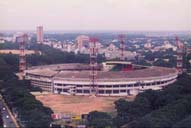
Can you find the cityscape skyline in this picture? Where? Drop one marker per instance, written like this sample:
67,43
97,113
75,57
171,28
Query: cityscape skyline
124,15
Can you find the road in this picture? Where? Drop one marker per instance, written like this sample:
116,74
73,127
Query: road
8,119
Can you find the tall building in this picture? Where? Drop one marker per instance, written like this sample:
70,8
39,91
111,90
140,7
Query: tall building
82,40
40,34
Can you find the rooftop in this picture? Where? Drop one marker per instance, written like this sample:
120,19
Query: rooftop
42,72
59,67
148,72
80,71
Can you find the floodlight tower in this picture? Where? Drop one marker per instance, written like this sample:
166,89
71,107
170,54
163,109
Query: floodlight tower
180,48
93,64
22,40
122,46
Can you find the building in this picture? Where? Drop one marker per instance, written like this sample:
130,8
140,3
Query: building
148,45
109,55
167,45
112,47
82,41
73,79
15,37
40,34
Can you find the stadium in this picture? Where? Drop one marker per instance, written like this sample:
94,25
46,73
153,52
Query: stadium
113,78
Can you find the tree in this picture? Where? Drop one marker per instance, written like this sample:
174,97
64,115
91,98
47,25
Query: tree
185,123
31,112
165,116
152,108
99,120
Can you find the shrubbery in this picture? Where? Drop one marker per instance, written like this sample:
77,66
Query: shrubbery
161,108
31,112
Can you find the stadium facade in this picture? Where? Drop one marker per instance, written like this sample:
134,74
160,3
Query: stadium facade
74,79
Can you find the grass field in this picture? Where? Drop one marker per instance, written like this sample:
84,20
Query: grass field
78,105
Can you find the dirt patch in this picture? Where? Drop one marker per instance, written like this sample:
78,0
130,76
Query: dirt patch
77,104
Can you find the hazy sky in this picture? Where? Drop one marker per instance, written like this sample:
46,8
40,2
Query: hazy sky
95,14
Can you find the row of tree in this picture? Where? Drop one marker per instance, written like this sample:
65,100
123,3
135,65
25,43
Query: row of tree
52,56
29,111
170,108
16,93
1,119
47,55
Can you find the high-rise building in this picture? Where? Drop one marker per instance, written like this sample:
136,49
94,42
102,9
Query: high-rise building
82,40
40,34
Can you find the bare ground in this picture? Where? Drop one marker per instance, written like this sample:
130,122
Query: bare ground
78,105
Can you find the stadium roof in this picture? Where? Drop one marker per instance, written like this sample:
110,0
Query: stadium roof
80,71
148,72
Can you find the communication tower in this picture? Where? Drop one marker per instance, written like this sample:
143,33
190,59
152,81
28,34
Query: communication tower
22,40
180,48
93,64
122,46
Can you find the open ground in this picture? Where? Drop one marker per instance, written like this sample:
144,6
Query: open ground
78,105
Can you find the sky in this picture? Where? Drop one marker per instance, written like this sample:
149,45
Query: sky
127,15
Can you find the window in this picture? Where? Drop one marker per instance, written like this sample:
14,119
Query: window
130,85
123,86
122,90
115,91
101,91
116,86
136,85
59,90
86,91
101,86
128,92
79,85
153,83
108,91
65,90
142,84
79,91
59,84
148,84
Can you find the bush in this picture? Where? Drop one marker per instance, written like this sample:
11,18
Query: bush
166,116
31,112
99,120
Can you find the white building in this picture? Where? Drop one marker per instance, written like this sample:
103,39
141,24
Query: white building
73,79
148,45
167,45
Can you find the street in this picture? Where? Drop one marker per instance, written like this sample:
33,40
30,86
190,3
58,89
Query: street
8,119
